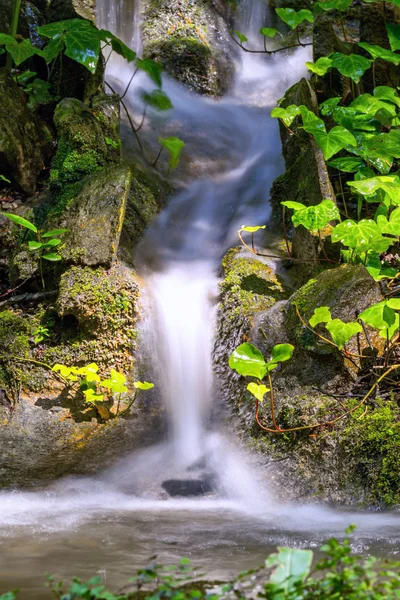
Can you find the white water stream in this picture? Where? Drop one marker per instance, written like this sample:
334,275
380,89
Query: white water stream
113,523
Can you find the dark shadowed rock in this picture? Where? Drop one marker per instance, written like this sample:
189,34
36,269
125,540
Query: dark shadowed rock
188,487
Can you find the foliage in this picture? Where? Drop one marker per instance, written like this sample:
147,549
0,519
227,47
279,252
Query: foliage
97,390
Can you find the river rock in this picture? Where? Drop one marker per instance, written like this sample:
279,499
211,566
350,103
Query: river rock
191,40
25,140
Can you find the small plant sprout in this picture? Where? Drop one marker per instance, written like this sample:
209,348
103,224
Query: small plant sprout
97,390
45,243
40,334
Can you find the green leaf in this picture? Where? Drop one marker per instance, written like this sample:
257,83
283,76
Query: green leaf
282,353
389,184
293,18
52,257
370,105
157,99
40,91
321,67
34,245
19,51
258,391
309,117
393,32
386,143
287,115
24,77
320,315
291,567
268,32
2,178
327,107
391,226
348,164
341,5
83,46
379,52
384,92
242,38
174,146
143,385
91,396
248,361
380,315
54,232
52,243
342,332
53,48
394,303
117,45
332,142
314,217
20,221
352,65
57,28
361,236
252,229
116,383
152,68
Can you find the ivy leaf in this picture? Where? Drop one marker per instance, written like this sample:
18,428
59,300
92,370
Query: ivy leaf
293,18
390,184
19,51
268,32
83,46
248,361
314,217
40,91
24,77
370,105
252,229
258,391
342,332
54,47
379,52
287,115
117,45
143,385
332,142
309,117
321,67
386,143
157,99
320,315
152,68
363,235
20,221
52,30
341,5
91,396
175,146
393,32
116,383
327,107
281,353
391,226
352,65
242,38
347,164
380,315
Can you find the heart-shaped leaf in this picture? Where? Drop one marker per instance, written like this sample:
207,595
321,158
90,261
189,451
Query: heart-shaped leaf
320,67
143,385
379,52
152,68
332,142
320,315
287,115
314,217
258,391
294,18
347,164
174,146
248,361
268,32
350,65
342,332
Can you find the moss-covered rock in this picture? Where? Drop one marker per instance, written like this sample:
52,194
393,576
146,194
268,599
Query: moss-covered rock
25,141
94,216
191,41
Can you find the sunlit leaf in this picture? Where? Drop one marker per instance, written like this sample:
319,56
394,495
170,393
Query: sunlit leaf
174,146
20,221
248,361
342,332
294,18
320,315
258,391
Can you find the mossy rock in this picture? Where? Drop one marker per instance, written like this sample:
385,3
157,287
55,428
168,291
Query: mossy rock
60,10
94,217
101,300
190,40
25,141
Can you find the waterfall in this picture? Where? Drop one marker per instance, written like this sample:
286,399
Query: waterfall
179,257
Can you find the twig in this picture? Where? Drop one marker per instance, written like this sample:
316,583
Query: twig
28,297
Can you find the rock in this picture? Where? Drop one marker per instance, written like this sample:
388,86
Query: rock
101,301
347,291
25,140
60,10
191,41
188,487
94,218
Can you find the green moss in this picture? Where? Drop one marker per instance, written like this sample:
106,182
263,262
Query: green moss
15,332
71,164
249,285
372,443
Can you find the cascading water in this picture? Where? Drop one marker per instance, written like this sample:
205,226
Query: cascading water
113,523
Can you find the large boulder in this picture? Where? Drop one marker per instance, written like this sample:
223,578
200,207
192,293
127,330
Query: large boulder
94,218
191,40
25,140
